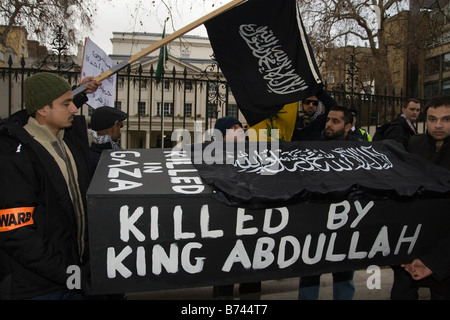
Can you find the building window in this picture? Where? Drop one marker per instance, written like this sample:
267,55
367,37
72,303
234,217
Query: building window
168,109
432,66
141,108
118,105
188,109
212,110
431,90
447,61
446,87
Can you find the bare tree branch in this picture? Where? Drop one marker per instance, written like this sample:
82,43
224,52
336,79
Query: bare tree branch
41,18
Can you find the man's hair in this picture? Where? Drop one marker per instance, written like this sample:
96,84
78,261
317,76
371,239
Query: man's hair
439,101
348,115
408,101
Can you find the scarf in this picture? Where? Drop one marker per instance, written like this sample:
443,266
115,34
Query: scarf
98,139
308,119
56,146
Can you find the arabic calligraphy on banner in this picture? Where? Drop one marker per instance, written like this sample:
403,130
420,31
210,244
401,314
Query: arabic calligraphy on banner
155,225
339,159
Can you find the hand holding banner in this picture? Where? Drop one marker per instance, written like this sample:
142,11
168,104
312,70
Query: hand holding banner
160,43
95,62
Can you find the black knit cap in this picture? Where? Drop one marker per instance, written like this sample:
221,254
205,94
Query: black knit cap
105,117
225,123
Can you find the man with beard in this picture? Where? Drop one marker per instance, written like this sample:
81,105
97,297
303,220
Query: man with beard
338,125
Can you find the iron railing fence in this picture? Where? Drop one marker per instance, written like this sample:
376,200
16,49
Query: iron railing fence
209,95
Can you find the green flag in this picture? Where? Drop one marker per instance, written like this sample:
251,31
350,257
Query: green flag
163,57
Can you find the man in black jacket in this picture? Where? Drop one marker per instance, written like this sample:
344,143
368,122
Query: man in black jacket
432,268
44,172
402,128
434,145
104,134
339,122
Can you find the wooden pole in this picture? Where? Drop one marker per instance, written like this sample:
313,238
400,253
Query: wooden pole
160,43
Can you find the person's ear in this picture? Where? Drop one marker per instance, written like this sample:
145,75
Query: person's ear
43,111
348,127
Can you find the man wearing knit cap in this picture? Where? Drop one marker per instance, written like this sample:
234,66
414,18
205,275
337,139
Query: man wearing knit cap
229,129
104,134
44,172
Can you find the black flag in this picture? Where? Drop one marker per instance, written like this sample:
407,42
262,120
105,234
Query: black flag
264,53
260,176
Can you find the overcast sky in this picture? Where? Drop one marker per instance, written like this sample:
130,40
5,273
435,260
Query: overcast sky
147,16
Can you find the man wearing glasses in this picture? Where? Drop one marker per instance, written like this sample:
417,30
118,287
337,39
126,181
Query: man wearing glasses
311,122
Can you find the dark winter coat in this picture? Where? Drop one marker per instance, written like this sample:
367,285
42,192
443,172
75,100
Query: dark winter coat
397,130
425,145
438,258
38,230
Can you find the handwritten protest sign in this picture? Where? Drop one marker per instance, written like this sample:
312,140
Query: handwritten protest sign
95,62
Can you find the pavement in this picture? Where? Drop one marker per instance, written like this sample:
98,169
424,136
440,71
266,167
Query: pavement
287,289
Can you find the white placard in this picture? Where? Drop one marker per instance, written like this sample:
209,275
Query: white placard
95,62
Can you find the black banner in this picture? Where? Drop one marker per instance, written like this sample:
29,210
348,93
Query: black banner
153,225
259,175
264,53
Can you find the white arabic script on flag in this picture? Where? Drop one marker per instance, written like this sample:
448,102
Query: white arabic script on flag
337,160
277,69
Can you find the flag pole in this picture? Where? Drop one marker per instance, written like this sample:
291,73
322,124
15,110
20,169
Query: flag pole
146,51
162,57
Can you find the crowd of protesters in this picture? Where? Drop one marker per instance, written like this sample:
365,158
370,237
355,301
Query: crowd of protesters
48,157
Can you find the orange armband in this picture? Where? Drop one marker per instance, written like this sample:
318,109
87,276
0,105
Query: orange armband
15,218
